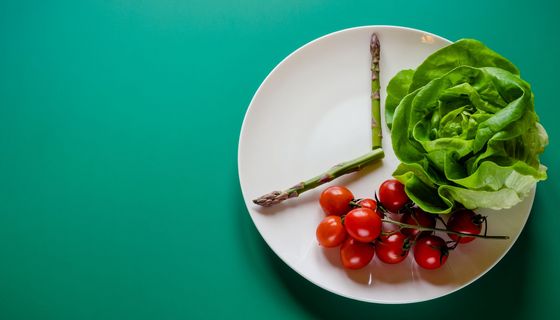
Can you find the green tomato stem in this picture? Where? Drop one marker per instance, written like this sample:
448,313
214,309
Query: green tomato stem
421,228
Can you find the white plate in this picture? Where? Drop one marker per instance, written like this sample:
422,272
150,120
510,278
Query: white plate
313,111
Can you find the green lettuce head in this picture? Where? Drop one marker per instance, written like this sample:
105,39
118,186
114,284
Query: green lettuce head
464,127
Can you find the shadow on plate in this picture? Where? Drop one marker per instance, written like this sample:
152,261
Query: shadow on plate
333,256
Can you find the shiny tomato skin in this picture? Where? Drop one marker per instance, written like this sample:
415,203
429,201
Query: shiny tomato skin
465,221
392,248
335,200
430,252
371,204
392,195
363,224
330,232
355,254
418,217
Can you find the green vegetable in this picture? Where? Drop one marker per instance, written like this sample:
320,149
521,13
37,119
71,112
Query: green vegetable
354,165
465,130
276,197
376,134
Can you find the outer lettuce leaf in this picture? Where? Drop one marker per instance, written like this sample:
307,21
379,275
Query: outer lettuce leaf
473,199
396,90
466,132
466,52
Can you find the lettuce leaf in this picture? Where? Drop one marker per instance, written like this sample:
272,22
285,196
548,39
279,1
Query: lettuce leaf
396,90
464,127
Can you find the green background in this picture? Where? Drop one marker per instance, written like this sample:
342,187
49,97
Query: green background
119,123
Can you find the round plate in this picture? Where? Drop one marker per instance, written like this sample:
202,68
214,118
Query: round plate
313,111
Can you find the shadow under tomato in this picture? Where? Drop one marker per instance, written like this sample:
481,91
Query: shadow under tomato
333,256
501,293
392,273
375,271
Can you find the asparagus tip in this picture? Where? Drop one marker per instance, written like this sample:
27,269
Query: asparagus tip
271,198
374,44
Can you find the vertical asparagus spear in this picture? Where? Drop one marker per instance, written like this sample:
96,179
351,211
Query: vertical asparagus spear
376,134
356,164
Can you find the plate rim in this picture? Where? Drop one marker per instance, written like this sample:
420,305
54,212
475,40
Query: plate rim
239,173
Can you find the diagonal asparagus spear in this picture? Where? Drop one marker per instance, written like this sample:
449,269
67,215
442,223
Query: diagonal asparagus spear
376,135
336,171
354,165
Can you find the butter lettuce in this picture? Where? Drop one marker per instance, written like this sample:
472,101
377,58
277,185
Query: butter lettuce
464,128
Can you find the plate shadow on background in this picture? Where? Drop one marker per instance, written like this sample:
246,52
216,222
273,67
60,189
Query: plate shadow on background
506,283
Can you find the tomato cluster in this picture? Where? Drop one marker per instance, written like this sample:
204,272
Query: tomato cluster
360,227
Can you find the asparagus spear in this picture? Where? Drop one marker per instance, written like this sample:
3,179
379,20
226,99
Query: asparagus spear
376,135
336,171
354,165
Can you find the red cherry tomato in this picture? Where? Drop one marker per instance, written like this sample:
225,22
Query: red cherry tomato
430,252
465,221
392,248
392,195
418,217
335,200
363,224
371,204
355,254
330,232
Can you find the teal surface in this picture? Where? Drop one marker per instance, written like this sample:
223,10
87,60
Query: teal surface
119,122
